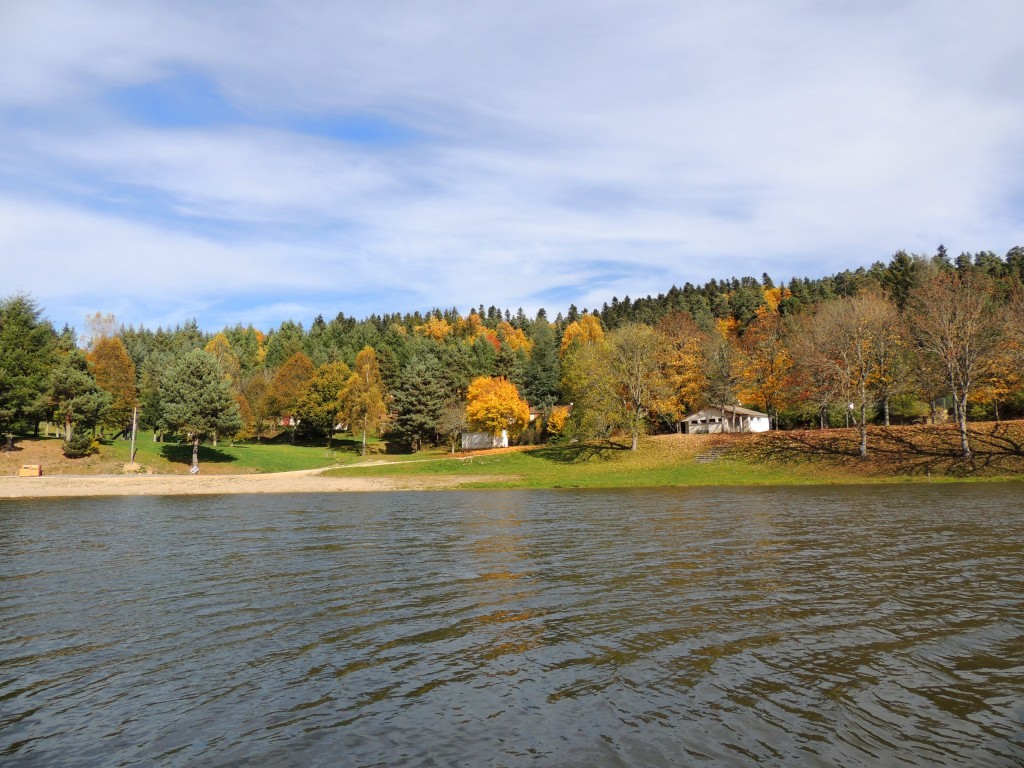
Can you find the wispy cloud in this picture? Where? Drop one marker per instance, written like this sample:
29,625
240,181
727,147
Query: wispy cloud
164,160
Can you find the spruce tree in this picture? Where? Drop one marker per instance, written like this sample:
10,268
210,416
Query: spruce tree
197,399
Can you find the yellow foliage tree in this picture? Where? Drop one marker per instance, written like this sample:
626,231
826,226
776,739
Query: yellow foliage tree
493,404
436,328
366,399
772,298
557,419
586,331
220,347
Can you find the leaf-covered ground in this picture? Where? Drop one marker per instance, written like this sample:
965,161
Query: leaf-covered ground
908,451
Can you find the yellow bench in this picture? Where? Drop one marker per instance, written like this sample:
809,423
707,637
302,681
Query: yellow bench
30,470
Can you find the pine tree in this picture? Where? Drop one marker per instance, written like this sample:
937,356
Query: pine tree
197,399
420,396
27,348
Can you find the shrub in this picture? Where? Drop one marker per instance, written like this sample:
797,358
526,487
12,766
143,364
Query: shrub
80,445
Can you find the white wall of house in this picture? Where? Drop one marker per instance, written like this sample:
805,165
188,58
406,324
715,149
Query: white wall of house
712,421
477,441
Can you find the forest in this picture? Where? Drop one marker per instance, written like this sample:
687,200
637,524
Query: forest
922,338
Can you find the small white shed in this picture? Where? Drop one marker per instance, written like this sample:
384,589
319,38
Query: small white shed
730,418
477,441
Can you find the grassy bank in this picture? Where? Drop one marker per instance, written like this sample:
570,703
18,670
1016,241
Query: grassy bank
897,454
274,455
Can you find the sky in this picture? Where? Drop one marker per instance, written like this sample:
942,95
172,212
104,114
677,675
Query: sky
269,160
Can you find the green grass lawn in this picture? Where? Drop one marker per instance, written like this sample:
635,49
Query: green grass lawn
606,465
274,455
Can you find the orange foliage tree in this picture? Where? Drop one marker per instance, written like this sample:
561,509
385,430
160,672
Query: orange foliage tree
114,372
288,387
764,365
514,338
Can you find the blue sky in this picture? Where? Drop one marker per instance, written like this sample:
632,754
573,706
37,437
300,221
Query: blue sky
264,161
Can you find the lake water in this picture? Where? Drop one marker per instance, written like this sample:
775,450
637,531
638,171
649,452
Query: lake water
857,626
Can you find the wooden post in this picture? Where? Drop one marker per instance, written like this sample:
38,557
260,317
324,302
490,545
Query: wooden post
135,425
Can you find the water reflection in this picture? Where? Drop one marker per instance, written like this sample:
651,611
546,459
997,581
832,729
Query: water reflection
761,627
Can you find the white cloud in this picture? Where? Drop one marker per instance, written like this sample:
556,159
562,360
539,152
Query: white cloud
608,147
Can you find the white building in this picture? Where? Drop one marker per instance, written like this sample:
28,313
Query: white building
476,441
730,418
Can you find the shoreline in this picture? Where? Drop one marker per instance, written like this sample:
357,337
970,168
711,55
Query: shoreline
299,481
314,481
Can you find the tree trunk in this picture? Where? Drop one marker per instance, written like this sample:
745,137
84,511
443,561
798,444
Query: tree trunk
635,441
195,452
962,421
934,414
364,438
863,429
215,438
995,404
885,409
68,426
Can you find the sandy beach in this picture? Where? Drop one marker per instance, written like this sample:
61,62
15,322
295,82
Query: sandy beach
303,481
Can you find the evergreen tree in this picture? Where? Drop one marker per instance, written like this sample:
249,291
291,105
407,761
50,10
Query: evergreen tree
197,399
420,396
74,396
27,348
541,385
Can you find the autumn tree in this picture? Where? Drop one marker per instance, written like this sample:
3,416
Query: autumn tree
720,357
817,381
99,326
617,383
220,347
436,328
684,367
584,332
287,388
320,406
115,374
197,399
557,419
258,393
764,364
493,404
956,323
855,334
367,399
452,422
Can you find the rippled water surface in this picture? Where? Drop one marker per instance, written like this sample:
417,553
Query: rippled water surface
822,626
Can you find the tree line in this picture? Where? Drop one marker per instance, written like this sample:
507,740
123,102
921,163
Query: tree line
908,340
